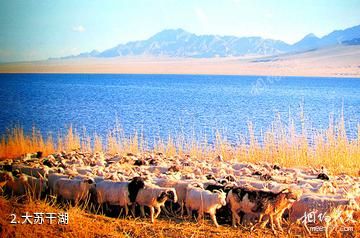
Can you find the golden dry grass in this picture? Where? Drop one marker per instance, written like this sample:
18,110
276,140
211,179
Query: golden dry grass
280,144
84,224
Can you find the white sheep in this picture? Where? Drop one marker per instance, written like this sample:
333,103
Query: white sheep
25,184
119,193
236,206
35,186
180,186
113,193
52,178
154,197
73,189
320,204
37,172
204,202
315,202
16,185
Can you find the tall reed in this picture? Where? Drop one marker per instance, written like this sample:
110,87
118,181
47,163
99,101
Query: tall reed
281,143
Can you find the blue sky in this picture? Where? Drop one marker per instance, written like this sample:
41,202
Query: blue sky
34,30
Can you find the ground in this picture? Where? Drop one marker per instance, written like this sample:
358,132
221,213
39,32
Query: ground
83,224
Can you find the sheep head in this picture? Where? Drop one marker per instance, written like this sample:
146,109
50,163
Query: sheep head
221,197
171,194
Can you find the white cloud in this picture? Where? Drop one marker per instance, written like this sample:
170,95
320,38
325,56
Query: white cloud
78,28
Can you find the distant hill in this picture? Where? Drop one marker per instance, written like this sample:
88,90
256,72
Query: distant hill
355,41
310,41
180,43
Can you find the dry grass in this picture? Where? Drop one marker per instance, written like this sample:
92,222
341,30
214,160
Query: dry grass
83,224
280,144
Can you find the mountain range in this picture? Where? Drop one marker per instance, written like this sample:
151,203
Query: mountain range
180,43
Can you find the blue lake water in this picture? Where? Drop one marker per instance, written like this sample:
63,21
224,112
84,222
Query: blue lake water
159,105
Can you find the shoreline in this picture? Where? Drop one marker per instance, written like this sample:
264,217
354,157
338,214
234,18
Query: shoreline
338,62
189,74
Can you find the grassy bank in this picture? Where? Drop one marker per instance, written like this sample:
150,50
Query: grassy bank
280,144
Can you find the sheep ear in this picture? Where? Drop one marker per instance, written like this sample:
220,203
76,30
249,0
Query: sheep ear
161,196
89,181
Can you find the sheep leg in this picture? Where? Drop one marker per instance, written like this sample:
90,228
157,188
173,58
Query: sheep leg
213,218
76,200
189,211
142,211
133,209
107,208
278,222
176,212
235,218
166,211
272,224
157,212
200,214
152,210
126,210
171,208
241,217
260,223
181,209
263,223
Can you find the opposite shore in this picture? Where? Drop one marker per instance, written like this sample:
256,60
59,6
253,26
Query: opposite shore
341,61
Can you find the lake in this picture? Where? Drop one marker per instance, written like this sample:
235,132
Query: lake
159,105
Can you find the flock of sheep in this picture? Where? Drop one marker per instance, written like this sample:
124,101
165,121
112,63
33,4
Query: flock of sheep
232,191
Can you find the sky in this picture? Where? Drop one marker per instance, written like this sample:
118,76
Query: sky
37,30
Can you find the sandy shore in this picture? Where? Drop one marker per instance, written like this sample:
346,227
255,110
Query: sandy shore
341,61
